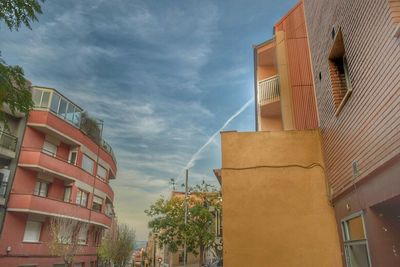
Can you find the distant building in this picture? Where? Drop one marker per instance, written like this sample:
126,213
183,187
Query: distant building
63,170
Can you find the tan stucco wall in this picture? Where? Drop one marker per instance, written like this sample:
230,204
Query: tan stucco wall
270,123
284,81
276,216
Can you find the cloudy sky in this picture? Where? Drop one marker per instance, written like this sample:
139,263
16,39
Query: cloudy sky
163,75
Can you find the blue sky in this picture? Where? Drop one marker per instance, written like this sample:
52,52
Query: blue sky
163,75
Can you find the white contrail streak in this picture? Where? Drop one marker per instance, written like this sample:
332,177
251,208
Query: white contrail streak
196,155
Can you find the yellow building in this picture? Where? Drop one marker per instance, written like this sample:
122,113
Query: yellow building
276,210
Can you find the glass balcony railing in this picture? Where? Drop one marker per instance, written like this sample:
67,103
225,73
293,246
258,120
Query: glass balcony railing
8,141
50,99
268,90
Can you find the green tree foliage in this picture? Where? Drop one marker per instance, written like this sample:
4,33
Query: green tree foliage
91,127
14,88
117,245
168,220
17,12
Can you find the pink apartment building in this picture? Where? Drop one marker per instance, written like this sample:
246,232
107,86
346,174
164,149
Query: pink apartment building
60,172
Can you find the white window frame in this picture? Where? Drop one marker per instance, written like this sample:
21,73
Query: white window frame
79,197
347,243
35,224
97,200
83,235
48,148
73,151
67,193
39,185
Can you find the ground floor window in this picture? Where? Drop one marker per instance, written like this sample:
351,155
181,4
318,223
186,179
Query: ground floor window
32,231
355,241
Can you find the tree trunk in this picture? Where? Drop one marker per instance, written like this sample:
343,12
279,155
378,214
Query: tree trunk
201,256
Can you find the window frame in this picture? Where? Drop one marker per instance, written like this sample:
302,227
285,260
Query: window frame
40,224
49,152
95,202
347,243
67,188
338,53
81,192
105,172
83,163
41,183
73,151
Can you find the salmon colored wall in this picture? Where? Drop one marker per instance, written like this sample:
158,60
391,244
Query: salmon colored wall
292,31
265,72
17,221
276,213
63,151
47,118
33,138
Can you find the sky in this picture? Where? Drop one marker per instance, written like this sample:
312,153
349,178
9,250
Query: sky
164,76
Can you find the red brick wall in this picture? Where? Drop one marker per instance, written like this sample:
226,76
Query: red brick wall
367,128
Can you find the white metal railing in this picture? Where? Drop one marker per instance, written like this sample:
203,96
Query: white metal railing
268,90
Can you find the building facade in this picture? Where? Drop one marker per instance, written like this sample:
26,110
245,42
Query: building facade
355,52
63,170
276,209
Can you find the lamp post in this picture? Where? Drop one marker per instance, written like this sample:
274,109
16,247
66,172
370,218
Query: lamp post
186,215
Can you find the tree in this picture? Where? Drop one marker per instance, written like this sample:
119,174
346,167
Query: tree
91,127
169,223
65,238
15,12
117,245
14,88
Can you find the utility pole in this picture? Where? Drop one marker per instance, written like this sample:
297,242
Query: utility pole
186,215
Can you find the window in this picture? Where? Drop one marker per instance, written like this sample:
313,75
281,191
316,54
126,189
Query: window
67,194
41,189
41,98
32,231
355,241
87,163
97,203
49,148
73,155
82,237
101,172
81,198
339,72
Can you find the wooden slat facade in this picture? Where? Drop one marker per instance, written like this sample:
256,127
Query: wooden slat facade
367,129
300,74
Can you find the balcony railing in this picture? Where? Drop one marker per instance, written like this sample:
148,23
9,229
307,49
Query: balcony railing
49,99
8,141
268,90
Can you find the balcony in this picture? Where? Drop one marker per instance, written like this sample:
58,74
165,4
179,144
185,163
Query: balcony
74,118
35,159
8,144
268,90
53,207
269,104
